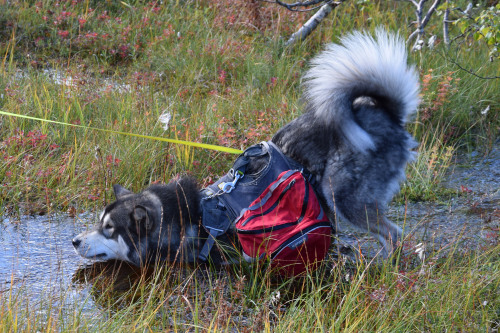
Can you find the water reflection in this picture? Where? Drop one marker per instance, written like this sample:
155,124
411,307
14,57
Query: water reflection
38,261
111,279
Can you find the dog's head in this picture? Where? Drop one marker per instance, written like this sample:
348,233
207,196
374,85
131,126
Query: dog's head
139,227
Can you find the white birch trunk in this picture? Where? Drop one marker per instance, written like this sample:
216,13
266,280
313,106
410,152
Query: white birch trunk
311,24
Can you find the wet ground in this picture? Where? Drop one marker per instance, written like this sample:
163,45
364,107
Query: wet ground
38,260
466,222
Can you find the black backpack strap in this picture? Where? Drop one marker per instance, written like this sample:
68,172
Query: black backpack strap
209,243
214,219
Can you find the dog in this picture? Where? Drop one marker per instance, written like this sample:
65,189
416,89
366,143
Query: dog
358,96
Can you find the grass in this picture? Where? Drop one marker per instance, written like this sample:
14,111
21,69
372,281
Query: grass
455,293
222,72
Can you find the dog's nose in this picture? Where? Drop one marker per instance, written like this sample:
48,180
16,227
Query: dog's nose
76,242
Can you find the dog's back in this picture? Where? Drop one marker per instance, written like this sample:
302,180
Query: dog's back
358,95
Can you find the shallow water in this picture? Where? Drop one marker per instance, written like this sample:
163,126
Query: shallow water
38,262
64,78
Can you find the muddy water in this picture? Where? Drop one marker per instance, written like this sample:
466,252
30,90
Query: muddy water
37,259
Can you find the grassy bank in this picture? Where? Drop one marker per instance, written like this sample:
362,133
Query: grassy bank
221,72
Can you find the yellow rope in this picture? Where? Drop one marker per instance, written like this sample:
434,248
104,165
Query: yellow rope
181,142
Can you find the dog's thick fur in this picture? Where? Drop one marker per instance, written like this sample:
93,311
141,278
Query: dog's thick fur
358,96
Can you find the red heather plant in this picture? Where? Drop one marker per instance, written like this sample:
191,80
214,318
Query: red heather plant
436,90
75,28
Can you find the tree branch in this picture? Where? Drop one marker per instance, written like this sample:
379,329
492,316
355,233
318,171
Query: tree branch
290,6
294,7
421,22
429,13
446,15
470,71
312,23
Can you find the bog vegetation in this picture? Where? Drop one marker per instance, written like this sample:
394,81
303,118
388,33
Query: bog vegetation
220,73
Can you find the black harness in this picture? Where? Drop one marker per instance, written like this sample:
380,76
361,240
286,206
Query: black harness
223,201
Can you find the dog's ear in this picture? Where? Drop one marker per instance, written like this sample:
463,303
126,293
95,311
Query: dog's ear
120,191
142,219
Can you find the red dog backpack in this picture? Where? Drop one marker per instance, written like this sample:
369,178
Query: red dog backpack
285,225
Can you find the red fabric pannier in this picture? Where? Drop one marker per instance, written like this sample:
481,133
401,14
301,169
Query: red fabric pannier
286,225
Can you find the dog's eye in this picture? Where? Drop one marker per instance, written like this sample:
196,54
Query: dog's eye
108,226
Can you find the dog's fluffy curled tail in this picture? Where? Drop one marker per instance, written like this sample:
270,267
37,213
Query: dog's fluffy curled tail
361,66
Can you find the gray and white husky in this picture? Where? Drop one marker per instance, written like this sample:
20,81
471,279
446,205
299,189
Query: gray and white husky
358,95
